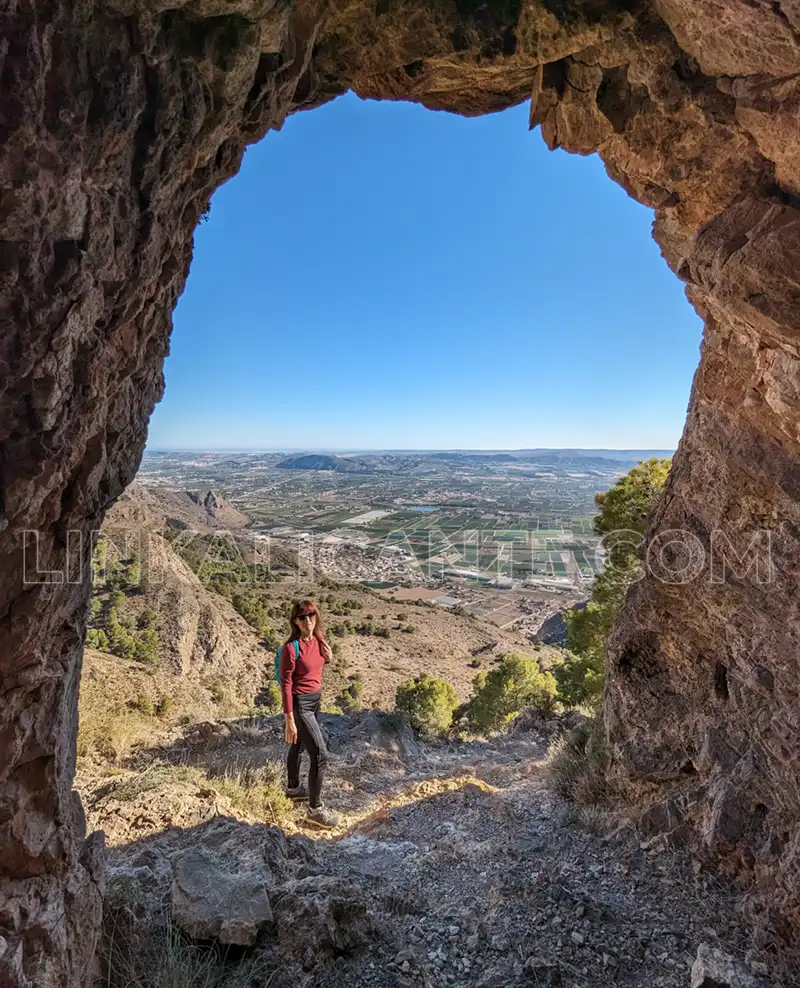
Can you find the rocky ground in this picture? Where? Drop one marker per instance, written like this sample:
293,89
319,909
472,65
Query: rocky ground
456,865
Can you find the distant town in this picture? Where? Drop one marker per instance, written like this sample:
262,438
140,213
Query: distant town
505,534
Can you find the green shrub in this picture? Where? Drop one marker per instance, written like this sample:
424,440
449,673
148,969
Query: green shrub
580,680
409,629
350,697
147,619
402,617
517,682
145,646
97,638
625,512
269,696
164,706
217,688
120,641
428,703
144,704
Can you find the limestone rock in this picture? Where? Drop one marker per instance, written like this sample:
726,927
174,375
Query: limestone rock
211,901
323,914
121,119
387,732
713,968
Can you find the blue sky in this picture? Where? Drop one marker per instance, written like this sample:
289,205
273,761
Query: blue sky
382,276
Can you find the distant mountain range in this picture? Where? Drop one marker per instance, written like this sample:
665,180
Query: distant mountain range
395,461
321,461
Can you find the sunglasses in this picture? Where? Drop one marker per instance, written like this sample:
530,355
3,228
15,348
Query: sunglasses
308,614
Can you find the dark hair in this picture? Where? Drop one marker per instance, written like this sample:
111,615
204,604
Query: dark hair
319,625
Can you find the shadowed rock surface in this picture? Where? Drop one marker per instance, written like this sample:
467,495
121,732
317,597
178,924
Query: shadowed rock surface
119,120
455,865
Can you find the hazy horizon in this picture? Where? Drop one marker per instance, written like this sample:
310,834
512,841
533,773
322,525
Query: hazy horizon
409,449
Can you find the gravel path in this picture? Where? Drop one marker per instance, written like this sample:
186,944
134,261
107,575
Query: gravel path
457,866
479,876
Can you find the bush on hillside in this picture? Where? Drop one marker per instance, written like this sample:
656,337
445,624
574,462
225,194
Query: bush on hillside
517,682
268,697
218,689
625,512
144,704
145,646
350,697
120,641
97,638
580,680
578,765
428,703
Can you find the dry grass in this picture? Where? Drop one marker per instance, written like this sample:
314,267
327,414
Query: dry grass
256,792
113,735
169,959
576,766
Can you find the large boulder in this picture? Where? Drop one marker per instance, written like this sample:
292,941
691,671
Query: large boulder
321,914
389,732
209,901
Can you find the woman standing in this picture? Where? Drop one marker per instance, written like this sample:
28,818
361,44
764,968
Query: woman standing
302,657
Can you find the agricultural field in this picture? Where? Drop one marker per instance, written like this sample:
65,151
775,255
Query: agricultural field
464,522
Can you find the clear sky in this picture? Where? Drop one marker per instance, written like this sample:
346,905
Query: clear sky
382,276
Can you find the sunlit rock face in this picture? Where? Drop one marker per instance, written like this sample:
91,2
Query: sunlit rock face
118,121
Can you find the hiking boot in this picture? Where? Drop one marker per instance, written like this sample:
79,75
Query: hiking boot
297,792
321,816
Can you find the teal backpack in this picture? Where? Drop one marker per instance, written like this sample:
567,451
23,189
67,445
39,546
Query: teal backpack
296,644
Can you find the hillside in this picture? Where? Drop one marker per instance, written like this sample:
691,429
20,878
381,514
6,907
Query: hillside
182,626
184,774
157,508
323,461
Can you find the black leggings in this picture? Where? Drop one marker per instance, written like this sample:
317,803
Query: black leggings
309,736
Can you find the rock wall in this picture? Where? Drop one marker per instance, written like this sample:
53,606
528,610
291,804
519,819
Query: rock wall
119,118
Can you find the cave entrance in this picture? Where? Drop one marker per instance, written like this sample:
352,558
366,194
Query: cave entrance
119,123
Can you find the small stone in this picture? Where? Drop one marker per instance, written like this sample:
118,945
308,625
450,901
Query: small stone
405,967
576,937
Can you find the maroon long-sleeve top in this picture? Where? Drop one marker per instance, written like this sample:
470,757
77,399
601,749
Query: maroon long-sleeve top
303,675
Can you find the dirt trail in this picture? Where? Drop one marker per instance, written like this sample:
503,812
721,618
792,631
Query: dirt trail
466,870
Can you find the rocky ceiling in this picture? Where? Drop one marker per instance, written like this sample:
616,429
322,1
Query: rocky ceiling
118,119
